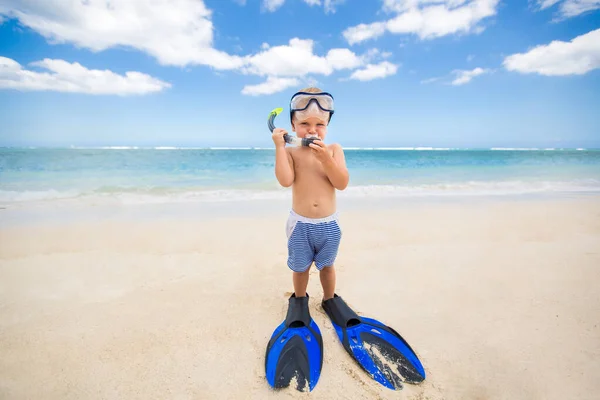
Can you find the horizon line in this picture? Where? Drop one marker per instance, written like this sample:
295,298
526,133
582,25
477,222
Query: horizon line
349,148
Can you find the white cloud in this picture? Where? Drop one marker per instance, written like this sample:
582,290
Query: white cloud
298,59
373,54
427,19
310,81
465,76
331,4
461,77
328,5
272,85
375,71
362,32
577,57
547,3
403,5
75,78
175,32
430,80
343,59
570,8
272,5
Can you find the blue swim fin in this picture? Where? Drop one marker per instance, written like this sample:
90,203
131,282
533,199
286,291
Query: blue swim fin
295,350
377,348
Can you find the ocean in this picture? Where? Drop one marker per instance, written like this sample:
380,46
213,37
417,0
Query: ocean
158,175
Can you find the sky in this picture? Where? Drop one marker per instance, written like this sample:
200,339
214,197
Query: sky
403,73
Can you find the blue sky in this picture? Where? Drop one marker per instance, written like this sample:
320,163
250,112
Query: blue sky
404,73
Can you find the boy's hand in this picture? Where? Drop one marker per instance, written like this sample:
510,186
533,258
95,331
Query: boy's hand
278,137
320,150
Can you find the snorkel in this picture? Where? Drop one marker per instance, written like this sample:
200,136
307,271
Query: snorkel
287,138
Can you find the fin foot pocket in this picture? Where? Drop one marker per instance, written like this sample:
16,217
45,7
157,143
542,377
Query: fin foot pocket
376,347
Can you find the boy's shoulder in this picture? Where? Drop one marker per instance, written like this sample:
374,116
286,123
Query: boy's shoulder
335,146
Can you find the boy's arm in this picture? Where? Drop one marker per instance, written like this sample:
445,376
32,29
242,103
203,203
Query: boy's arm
284,166
335,168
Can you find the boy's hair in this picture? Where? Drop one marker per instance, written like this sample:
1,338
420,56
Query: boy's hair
311,89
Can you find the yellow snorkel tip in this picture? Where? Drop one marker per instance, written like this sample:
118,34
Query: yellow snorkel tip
276,111
272,116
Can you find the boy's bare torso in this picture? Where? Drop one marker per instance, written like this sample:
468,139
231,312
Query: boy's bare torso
313,194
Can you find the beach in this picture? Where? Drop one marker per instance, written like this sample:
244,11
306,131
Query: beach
498,296
151,153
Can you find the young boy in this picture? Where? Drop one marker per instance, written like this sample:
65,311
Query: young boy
314,172
295,349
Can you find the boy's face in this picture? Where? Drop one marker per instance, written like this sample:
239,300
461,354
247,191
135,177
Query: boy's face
310,127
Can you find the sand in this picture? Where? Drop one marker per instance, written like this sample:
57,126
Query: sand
499,297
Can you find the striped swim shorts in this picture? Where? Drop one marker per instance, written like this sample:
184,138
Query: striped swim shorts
312,240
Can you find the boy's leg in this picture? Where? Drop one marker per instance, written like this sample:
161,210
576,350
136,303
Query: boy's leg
300,254
327,276
300,282
329,242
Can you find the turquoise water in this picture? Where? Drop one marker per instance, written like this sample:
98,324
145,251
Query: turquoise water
168,174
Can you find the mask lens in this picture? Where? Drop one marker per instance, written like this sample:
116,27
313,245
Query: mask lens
312,111
300,102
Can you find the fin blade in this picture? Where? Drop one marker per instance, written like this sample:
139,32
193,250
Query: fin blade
409,361
361,354
295,350
376,347
294,354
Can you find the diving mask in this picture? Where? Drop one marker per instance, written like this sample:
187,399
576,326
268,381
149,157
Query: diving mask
320,104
